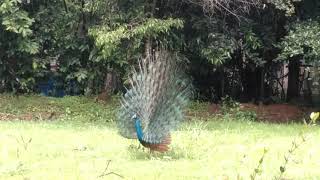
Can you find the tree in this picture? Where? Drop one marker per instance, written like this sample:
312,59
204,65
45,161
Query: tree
17,44
302,43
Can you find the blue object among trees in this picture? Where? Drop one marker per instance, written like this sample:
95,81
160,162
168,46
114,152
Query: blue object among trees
51,88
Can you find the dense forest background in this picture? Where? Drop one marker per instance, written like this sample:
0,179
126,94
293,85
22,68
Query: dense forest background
262,51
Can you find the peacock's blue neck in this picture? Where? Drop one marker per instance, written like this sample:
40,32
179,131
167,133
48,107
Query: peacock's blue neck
139,129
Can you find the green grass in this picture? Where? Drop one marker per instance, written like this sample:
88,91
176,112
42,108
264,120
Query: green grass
80,142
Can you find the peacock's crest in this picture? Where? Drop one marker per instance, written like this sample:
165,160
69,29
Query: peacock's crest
155,103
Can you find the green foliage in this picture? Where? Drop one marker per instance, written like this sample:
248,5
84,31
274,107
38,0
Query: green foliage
219,49
232,109
218,42
63,39
109,40
17,44
303,39
16,20
88,39
229,103
210,41
250,45
287,6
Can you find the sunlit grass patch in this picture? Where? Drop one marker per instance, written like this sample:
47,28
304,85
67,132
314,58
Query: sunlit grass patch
75,147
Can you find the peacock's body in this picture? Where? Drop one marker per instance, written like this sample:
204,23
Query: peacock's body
155,103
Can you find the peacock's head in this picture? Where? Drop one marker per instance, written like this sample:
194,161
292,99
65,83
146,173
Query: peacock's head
135,117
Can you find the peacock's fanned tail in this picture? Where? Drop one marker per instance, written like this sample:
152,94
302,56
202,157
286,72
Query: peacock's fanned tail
158,96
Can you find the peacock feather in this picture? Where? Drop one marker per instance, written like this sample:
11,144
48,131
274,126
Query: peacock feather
155,103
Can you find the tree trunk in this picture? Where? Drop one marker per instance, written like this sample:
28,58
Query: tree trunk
293,79
262,75
110,85
222,81
249,83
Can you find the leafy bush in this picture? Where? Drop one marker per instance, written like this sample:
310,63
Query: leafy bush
232,108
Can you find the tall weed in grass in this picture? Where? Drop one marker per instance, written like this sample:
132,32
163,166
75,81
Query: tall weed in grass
288,156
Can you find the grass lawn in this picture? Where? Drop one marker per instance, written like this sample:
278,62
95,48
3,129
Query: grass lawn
79,140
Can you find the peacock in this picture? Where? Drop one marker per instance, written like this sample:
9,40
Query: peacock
155,103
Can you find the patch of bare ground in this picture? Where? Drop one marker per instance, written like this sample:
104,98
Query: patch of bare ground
28,116
274,113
